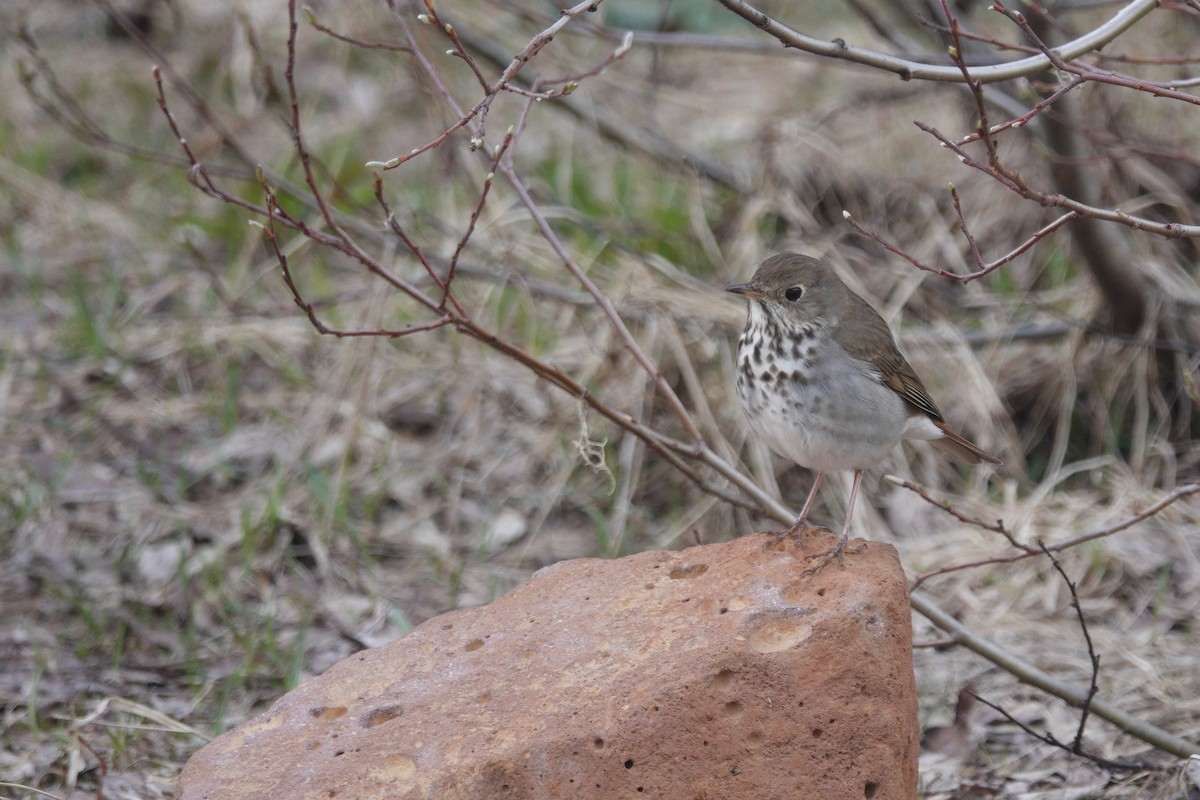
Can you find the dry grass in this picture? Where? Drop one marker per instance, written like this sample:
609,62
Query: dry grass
202,501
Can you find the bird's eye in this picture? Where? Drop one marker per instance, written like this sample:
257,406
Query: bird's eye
795,293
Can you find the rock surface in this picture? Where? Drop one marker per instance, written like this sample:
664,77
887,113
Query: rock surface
709,673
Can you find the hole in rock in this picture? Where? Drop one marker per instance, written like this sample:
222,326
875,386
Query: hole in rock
817,733
820,592
690,571
870,789
723,611
339,753
381,715
733,707
475,645
486,697
598,743
629,763
724,678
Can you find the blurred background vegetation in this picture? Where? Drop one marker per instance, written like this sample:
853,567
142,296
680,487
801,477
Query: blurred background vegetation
203,500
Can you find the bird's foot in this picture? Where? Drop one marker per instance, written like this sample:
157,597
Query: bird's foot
834,553
779,537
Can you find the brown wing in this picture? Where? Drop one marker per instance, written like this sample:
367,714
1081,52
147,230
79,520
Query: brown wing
869,339
872,342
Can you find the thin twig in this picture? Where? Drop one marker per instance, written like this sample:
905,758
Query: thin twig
1093,656
341,37
310,311
966,231
944,505
976,88
663,151
610,311
501,149
475,117
1179,493
966,277
298,145
1169,230
1050,739
431,17
1024,119
394,225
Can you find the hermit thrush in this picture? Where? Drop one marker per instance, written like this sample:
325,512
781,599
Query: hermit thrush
822,382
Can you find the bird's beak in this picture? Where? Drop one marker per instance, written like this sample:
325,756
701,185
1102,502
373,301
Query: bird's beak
746,290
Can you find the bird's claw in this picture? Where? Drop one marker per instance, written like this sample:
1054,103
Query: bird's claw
835,552
778,537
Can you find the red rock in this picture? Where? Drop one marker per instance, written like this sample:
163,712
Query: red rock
709,673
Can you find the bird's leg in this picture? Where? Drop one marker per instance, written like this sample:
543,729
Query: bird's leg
836,552
808,504
803,518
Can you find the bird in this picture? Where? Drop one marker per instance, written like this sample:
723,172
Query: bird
824,385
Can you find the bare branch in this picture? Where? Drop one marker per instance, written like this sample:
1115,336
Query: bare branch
466,237
984,268
475,117
1027,673
1169,230
1122,21
944,505
307,307
341,37
1055,56
1024,119
1093,657
1180,492
1050,739
431,17
604,303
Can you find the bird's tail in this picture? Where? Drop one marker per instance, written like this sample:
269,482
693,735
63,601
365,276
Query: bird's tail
960,448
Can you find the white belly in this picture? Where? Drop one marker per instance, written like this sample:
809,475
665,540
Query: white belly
828,413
